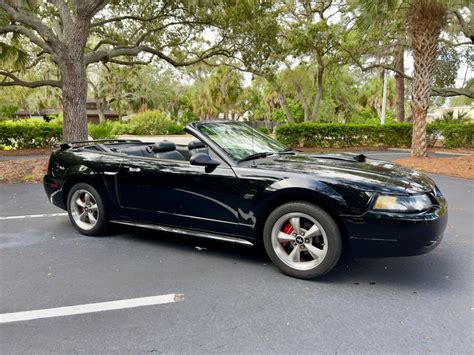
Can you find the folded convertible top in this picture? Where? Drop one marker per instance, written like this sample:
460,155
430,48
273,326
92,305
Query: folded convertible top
69,145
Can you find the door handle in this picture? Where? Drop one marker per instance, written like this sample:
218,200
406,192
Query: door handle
134,170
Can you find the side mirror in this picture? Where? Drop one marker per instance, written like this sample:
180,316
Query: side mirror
203,159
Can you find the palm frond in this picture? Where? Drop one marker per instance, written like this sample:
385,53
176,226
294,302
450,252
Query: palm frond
13,56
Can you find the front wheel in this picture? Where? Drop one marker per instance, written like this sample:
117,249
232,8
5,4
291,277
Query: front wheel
302,240
86,210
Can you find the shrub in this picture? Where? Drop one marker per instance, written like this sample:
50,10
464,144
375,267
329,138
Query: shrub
101,130
29,133
187,117
451,135
296,110
264,130
153,123
108,129
309,134
7,111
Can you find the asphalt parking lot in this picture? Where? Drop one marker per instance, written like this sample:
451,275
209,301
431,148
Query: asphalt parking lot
234,299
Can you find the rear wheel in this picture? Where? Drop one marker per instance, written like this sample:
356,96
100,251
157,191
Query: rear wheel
302,240
86,210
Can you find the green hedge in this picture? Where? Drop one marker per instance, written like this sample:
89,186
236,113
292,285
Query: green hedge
309,134
38,134
153,123
108,129
30,133
455,135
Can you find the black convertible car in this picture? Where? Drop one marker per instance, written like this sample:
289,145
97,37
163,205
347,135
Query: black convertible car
236,184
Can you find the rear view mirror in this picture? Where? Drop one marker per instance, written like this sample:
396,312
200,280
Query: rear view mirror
203,159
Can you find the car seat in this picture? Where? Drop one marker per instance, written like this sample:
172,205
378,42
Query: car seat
166,150
197,147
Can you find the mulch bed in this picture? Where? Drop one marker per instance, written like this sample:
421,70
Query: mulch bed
454,166
26,151
23,171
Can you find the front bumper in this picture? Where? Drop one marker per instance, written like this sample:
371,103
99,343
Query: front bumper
382,234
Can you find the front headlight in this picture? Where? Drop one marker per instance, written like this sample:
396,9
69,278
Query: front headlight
402,203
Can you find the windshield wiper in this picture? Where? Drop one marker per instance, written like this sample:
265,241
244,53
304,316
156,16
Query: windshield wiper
257,156
267,154
287,151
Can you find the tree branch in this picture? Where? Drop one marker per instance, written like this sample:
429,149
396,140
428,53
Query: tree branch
26,32
132,62
127,17
88,8
34,22
29,84
134,51
387,67
466,28
450,92
131,17
373,66
64,12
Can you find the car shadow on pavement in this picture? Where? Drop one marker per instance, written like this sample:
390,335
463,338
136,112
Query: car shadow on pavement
430,271
190,243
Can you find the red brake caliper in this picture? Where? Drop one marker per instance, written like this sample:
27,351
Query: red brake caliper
287,229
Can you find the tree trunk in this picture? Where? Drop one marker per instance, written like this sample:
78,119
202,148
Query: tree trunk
304,102
285,106
101,109
74,96
400,85
319,94
71,63
307,115
426,21
281,98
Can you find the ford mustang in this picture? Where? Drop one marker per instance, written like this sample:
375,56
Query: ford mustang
235,184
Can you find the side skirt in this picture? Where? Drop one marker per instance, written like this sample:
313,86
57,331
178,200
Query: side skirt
200,234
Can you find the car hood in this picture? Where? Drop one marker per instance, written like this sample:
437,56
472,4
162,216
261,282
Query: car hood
371,174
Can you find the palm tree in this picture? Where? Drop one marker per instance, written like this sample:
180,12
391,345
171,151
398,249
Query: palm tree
425,20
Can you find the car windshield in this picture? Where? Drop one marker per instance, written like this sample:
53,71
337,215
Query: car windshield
241,141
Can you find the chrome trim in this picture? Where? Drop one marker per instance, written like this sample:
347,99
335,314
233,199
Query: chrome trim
110,172
235,240
54,194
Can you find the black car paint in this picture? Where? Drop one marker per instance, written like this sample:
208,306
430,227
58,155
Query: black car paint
235,198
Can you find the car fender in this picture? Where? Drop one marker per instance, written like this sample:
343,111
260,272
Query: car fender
304,189
99,179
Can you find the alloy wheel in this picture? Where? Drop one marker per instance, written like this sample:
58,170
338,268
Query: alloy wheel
299,241
84,209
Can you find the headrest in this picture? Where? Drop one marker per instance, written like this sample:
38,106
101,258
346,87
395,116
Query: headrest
196,145
164,146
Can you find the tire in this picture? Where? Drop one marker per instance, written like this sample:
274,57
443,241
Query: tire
84,206
312,252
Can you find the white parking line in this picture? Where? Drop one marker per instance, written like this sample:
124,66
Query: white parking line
90,308
33,216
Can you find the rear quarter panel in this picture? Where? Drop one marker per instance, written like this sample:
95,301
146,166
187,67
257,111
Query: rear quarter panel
66,168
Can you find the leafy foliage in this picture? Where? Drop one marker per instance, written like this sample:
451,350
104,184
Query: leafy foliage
310,134
29,133
153,123
108,129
